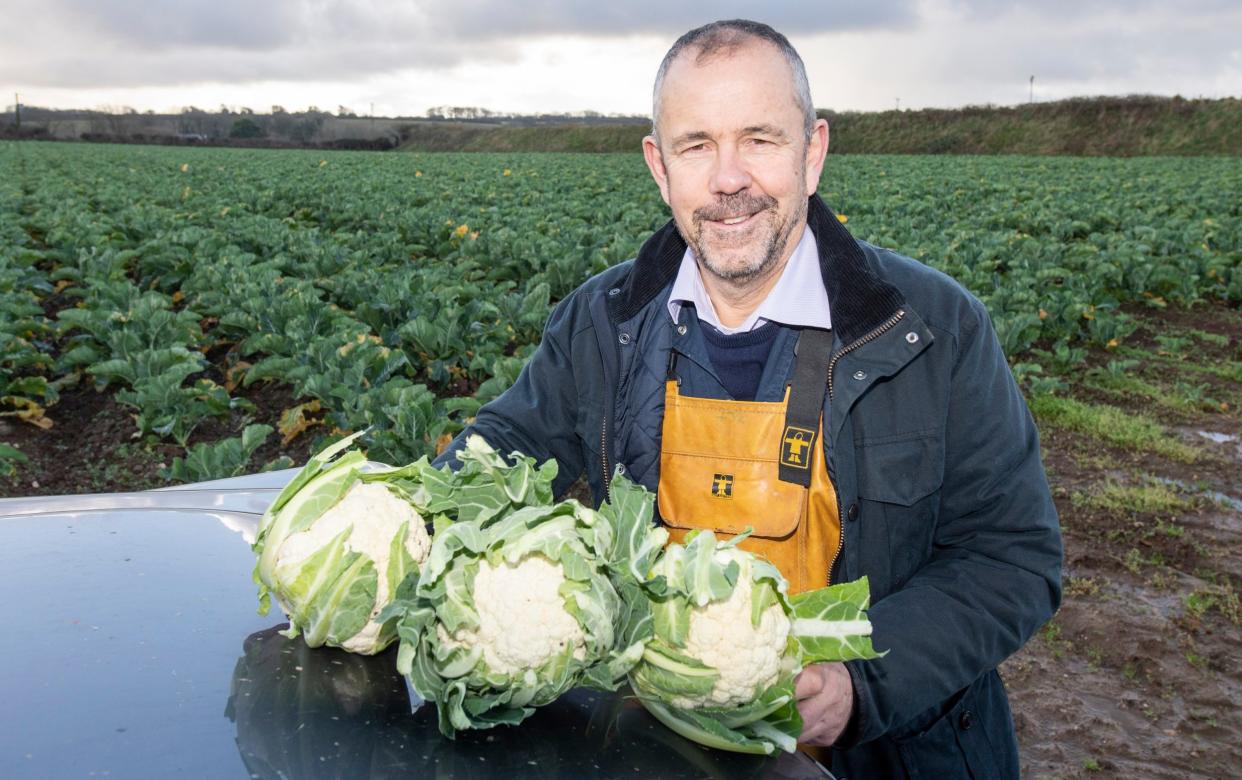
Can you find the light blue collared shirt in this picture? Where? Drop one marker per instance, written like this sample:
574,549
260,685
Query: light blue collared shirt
798,299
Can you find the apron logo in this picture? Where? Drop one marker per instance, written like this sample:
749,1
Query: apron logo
796,447
722,485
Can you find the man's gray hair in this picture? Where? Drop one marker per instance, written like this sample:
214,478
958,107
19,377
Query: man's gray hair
725,37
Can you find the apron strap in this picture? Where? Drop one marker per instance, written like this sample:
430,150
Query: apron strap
806,405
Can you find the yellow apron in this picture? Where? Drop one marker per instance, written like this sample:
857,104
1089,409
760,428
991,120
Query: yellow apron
720,469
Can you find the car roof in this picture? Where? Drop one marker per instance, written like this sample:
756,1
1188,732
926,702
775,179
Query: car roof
134,649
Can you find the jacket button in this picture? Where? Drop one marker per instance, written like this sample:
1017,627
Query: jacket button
912,337
621,469
624,338
860,375
966,720
614,292
681,330
852,512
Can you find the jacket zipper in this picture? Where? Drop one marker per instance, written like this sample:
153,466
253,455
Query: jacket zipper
832,363
872,336
603,456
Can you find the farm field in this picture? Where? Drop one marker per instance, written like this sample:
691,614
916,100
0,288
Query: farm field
175,314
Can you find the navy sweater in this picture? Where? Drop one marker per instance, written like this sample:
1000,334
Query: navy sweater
739,358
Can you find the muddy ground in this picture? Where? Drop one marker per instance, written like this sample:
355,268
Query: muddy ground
1139,675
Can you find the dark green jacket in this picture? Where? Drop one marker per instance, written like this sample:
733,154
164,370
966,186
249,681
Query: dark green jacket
933,453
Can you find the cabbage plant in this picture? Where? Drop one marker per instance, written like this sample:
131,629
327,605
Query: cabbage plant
727,642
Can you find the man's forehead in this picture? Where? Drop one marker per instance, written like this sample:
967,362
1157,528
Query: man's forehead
727,83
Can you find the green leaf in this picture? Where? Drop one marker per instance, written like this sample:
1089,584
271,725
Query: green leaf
830,623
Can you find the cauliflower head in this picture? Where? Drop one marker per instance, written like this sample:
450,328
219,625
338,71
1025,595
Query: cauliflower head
335,546
727,642
748,655
523,622
370,519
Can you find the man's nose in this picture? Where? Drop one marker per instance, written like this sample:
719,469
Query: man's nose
730,174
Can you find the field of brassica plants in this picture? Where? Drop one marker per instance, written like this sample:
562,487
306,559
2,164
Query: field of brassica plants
177,314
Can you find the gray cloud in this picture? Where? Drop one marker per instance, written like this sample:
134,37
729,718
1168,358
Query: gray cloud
127,43
955,50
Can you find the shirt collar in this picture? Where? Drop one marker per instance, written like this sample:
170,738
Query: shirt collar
798,298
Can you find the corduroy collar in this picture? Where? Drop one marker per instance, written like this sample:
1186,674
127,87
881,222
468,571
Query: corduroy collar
859,300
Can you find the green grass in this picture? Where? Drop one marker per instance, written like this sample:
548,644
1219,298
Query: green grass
1230,370
1121,429
1129,386
1155,499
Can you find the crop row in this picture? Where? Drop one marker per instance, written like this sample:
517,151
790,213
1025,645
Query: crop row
399,292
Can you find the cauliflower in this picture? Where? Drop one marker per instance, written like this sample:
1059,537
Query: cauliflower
746,655
371,517
523,622
511,611
727,643
336,545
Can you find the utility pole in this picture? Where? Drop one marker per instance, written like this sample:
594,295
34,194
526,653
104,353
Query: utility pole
898,104
1032,100
17,111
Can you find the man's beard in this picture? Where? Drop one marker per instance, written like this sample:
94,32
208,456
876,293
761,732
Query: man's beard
765,257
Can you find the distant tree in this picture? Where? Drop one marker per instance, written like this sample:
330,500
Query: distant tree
244,110
305,129
278,110
246,128
343,111
281,123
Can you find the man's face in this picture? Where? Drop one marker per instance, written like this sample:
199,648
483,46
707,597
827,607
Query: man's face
732,160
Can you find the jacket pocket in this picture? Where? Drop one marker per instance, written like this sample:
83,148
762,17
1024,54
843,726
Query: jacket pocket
955,745
902,468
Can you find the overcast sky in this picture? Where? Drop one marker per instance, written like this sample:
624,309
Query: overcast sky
403,56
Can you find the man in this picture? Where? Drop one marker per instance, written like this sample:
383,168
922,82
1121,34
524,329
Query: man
762,368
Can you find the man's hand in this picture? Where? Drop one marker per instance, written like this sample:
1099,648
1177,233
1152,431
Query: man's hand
825,701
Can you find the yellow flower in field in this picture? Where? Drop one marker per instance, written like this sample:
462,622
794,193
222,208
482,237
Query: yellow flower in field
842,219
322,163
417,174
1043,315
508,172
1112,344
461,231
185,167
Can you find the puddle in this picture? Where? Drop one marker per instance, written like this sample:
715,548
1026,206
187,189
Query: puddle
1217,437
1212,495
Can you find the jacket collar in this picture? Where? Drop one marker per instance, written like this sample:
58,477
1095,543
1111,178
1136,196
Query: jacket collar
860,301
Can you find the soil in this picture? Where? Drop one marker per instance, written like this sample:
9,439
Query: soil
93,445
1138,675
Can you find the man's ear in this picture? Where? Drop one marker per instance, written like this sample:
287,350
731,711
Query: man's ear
655,164
816,150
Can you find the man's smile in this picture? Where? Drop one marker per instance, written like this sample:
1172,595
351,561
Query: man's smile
732,221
